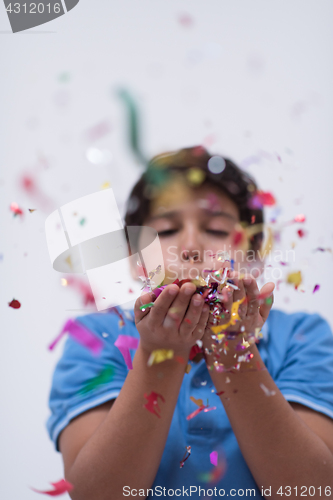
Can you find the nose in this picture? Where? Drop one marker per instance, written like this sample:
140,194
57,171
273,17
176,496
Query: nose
191,243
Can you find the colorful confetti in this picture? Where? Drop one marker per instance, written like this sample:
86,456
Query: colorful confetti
213,457
185,457
104,377
316,288
16,209
147,306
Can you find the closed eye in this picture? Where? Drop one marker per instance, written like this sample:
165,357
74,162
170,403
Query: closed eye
167,232
215,232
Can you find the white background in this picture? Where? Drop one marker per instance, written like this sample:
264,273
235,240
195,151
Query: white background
245,76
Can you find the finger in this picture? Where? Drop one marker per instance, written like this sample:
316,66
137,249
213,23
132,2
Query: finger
266,306
239,295
162,304
199,330
192,315
252,294
180,304
145,298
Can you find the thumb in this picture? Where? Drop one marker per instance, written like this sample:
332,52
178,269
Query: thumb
267,299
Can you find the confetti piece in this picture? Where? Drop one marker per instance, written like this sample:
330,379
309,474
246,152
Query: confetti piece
152,404
234,317
160,355
316,288
32,210
216,474
194,351
195,176
295,279
188,368
60,488
104,377
146,306
80,286
301,233
198,402
185,457
299,218
16,209
203,408
82,335
213,458
133,124
105,185
261,199
83,221
185,20
15,304
97,131
267,391
124,344
219,393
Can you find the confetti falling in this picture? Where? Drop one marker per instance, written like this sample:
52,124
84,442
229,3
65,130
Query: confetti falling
16,209
104,377
82,335
213,457
60,488
186,456
267,391
295,279
152,403
15,304
124,344
316,288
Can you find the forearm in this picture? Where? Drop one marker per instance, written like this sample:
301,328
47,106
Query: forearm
279,448
127,447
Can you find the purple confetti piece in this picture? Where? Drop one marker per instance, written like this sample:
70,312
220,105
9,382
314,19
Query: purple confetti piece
82,335
213,458
316,288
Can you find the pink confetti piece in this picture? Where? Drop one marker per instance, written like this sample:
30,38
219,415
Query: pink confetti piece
203,408
60,487
316,288
124,344
82,335
97,131
213,457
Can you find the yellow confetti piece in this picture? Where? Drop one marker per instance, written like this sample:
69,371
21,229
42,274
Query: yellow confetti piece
234,317
68,261
295,278
160,355
199,281
195,176
64,282
198,402
106,185
188,368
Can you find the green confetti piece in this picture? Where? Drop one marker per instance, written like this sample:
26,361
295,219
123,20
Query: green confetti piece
64,77
269,300
133,124
82,221
104,377
146,306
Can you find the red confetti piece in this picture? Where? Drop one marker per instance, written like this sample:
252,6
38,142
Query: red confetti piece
16,209
194,351
253,219
301,233
200,409
185,20
185,457
15,304
188,321
238,236
316,288
152,404
60,488
180,360
219,393
299,218
262,198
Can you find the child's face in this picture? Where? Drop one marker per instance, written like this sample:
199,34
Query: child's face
193,226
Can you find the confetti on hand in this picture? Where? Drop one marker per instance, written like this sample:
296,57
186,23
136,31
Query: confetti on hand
185,457
152,404
60,488
160,355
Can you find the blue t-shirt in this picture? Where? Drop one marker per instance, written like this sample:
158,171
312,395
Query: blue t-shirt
297,350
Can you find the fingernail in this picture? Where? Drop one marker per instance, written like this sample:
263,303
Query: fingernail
247,281
173,291
188,291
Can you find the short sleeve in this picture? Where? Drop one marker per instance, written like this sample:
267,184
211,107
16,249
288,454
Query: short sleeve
306,375
82,380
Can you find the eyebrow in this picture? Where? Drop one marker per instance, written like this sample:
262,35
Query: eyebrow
174,213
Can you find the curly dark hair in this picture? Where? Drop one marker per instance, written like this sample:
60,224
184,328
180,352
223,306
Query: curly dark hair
239,186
